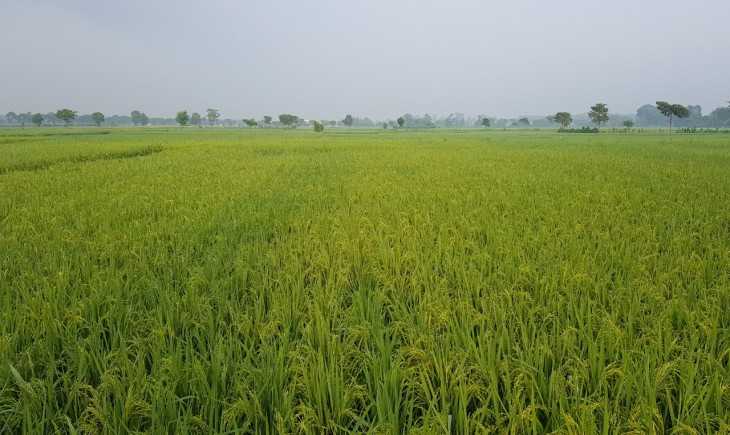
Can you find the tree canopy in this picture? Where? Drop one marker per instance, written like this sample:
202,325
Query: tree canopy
182,118
139,118
599,114
288,120
213,115
98,118
672,110
66,115
563,118
37,119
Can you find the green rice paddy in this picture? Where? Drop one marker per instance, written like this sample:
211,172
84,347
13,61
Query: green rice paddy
384,282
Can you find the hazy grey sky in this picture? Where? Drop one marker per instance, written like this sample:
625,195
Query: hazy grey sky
378,58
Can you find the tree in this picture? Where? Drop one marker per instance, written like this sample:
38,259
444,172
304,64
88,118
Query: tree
401,122
213,115
11,117
182,118
139,118
599,114
98,118
250,122
51,118
455,120
629,124
484,122
672,110
24,118
523,122
195,119
37,119
66,115
720,117
348,120
267,120
648,115
385,126
564,119
695,113
318,127
288,120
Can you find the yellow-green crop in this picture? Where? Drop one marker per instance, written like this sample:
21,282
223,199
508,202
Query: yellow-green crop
269,281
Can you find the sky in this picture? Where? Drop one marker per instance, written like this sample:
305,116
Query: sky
377,58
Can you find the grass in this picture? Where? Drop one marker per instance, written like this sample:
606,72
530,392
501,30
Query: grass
364,282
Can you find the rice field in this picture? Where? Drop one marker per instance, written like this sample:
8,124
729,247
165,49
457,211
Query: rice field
384,282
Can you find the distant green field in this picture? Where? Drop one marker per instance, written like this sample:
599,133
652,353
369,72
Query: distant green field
422,282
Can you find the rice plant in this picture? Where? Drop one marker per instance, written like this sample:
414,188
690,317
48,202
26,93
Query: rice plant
380,282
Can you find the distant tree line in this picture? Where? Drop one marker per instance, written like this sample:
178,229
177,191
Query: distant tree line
660,114
650,115
67,117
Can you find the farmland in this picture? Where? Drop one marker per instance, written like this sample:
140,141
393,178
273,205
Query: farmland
354,281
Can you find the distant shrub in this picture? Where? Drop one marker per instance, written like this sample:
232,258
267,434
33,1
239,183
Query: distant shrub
695,130
578,130
318,127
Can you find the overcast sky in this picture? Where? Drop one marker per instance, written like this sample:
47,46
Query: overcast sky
377,58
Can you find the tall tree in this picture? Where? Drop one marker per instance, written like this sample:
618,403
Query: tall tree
720,117
267,120
563,118
24,118
401,122
182,118
599,114
138,117
51,117
66,115
11,117
213,115
648,115
485,122
672,110
37,119
195,119
250,123
348,120
98,118
288,120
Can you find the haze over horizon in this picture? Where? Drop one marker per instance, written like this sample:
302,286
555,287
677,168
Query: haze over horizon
323,59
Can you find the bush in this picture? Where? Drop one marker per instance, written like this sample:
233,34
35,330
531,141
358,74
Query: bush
578,130
695,130
318,127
